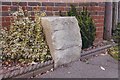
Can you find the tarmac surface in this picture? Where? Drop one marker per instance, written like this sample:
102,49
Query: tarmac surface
102,66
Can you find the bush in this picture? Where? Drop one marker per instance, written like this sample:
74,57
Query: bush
114,52
25,41
117,33
87,27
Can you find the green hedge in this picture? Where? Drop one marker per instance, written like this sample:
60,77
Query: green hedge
87,27
117,34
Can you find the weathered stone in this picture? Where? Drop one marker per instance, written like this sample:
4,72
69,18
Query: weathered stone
63,38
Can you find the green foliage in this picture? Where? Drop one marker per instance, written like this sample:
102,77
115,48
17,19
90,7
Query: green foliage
114,52
73,11
87,27
25,41
117,33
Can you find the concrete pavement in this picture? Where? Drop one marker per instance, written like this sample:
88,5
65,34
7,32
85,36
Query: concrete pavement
102,66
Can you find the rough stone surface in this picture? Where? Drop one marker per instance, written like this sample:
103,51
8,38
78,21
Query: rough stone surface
63,38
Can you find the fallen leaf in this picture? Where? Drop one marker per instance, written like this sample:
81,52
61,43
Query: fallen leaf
102,68
103,54
47,71
33,63
52,70
87,62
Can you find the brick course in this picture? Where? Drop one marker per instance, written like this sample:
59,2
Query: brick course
53,8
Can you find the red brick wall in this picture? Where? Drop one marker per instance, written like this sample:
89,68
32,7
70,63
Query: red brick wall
52,8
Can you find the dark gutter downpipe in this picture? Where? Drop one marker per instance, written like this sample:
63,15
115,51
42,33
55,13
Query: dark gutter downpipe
108,20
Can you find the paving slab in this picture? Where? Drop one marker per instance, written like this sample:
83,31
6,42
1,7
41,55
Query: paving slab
104,60
102,66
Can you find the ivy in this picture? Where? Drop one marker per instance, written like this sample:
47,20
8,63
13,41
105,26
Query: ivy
25,41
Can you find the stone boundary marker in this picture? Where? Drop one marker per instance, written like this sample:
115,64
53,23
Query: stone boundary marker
63,38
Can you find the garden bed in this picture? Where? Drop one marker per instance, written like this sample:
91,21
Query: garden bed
23,46
114,52
99,47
